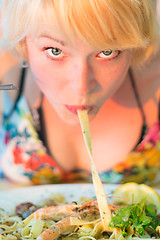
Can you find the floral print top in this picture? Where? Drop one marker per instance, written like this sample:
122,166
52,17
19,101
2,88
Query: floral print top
25,159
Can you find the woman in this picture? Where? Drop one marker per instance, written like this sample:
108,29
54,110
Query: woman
96,55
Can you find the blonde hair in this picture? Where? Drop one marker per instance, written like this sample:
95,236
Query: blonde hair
105,24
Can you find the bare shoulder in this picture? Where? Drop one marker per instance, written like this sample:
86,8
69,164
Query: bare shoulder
31,91
12,76
148,79
148,84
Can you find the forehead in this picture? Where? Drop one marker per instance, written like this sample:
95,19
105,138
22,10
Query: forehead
64,20
55,29
100,26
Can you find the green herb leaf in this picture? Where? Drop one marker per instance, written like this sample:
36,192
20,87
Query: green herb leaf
138,216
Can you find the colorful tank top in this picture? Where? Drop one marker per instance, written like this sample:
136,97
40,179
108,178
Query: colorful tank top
25,158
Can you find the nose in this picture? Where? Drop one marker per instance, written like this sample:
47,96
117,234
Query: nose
83,79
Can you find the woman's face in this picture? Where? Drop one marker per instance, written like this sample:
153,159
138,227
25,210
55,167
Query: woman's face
74,75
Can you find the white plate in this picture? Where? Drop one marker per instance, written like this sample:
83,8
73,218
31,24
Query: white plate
72,192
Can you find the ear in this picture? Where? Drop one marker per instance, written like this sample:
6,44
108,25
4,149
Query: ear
21,50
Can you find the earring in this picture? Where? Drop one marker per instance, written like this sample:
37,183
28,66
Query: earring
24,64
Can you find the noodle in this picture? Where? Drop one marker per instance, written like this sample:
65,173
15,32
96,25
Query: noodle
16,228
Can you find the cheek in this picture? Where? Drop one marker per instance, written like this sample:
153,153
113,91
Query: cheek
113,73
45,73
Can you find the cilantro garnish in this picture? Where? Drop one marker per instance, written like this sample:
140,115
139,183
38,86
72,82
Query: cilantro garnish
138,216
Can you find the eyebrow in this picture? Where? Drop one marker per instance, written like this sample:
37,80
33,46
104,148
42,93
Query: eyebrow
53,39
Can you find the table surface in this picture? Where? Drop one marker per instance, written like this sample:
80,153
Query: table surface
5,184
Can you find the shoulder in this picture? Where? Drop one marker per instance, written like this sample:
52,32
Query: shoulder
148,79
31,91
148,83
12,76
7,62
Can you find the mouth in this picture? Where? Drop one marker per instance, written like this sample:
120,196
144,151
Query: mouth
74,109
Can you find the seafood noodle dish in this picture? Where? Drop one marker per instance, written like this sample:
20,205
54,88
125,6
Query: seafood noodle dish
54,218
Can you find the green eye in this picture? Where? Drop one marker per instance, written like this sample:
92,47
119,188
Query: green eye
108,54
56,51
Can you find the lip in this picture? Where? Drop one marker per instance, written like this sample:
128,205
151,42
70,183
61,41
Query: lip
74,109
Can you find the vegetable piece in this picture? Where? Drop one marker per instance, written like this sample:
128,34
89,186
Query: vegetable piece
138,216
137,193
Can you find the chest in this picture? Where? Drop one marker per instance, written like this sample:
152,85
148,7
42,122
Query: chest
114,133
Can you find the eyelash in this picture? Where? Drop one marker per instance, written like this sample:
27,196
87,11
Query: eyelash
116,54
58,57
54,57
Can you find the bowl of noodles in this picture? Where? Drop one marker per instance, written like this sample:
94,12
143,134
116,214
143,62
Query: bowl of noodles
71,211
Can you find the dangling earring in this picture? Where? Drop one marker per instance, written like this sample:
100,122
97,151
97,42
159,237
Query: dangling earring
24,64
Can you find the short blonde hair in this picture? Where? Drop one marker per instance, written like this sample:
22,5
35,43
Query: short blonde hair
105,24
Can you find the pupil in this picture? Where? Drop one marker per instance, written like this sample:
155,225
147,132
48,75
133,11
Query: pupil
56,51
107,52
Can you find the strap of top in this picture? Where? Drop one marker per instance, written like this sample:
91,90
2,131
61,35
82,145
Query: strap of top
144,127
159,111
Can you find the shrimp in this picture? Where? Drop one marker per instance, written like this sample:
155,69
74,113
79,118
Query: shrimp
63,213
56,213
62,227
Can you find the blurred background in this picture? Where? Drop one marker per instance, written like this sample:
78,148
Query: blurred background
7,61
